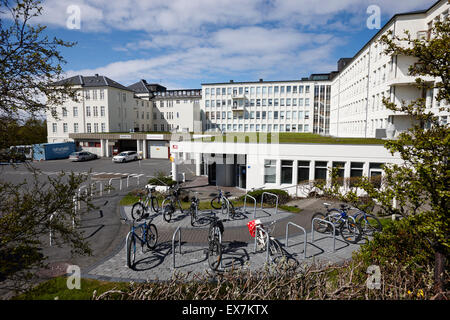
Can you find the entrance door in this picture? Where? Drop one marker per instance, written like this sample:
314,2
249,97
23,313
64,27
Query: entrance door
242,171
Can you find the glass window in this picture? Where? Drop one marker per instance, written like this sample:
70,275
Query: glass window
270,170
281,89
288,89
286,171
302,171
320,170
276,89
339,167
356,171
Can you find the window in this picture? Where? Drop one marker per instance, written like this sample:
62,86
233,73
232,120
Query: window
375,172
306,115
275,89
102,94
288,89
294,89
320,170
302,171
64,112
306,102
356,171
88,128
95,111
306,127
339,168
282,102
300,102
65,127
104,127
102,111
75,111
275,115
54,127
300,89
286,171
94,94
88,111
275,102
281,89
155,127
162,127
95,127
275,128
270,170
75,127
306,89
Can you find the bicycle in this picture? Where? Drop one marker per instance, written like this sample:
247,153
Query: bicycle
368,222
169,203
144,205
146,233
221,201
193,209
348,228
261,240
214,252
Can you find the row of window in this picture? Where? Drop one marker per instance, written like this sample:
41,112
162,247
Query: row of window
259,102
260,127
94,112
178,93
320,171
258,115
95,94
256,90
169,103
89,127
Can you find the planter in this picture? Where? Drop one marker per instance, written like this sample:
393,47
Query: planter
158,188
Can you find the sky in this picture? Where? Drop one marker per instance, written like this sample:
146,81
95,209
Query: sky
184,43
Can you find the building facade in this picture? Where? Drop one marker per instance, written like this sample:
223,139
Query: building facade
266,106
362,82
103,106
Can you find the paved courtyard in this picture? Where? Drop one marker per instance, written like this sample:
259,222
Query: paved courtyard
238,247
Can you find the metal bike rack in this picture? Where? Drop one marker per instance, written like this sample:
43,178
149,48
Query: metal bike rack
254,205
134,176
267,241
304,238
228,208
178,230
271,194
110,184
50,228
328,222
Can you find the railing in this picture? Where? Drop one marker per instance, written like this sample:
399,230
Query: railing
110,184
304,238
178,230
328,222
245,204
267,240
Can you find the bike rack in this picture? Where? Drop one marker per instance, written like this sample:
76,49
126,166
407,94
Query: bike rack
304,239
267,241
254,205
110,184
50,228
334,231
133,176
228,208
271,194
178,230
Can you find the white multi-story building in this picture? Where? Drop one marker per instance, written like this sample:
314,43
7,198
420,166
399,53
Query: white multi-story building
266,106
362,82
103,105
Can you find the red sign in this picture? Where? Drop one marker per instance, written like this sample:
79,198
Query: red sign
174,146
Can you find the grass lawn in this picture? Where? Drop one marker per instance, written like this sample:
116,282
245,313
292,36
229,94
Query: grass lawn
129,200
57,288
287,137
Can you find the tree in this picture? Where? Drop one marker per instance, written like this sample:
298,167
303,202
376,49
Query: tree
424,148
29,63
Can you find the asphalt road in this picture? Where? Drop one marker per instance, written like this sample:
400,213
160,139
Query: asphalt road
147,167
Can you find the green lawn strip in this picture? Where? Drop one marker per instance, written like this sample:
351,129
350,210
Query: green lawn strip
287,137
129,200
56,288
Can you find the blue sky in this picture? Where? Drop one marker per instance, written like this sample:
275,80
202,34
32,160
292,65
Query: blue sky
183,43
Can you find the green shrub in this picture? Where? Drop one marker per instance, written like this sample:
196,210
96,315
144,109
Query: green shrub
162,181
283,196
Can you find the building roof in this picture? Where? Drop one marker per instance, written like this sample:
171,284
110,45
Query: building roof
262,81
91,81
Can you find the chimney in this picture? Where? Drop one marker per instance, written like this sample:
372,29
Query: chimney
231,81
96,74
260,80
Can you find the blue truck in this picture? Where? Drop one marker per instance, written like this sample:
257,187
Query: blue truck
53,151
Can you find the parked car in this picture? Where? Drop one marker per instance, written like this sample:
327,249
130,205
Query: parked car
11,156
125,156
82,156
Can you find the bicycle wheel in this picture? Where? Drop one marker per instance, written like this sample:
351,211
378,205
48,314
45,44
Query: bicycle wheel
168,210
320,226
275,249
137,211
155,204
216,203
131,250
214,254
152,236
213,231
232,210
350,231
369,224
